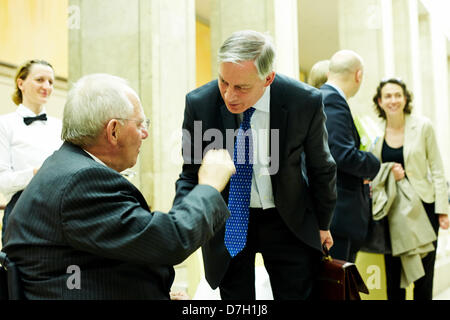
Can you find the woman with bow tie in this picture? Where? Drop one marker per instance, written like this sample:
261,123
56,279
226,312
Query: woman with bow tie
27,136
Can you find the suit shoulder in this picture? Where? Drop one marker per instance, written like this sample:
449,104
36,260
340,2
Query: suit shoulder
420,123
71,160
329,93
209,89
293,88
203,99
333,100
418,119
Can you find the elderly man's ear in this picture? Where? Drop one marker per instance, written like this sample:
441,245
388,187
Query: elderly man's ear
112,131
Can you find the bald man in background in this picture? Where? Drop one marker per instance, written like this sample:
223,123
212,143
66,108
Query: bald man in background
354,167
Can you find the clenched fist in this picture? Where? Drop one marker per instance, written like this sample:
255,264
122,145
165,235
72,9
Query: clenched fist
216,169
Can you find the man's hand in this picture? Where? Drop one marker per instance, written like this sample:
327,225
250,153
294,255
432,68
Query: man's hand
326,238
216,169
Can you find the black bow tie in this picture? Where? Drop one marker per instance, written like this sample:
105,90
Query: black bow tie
30,120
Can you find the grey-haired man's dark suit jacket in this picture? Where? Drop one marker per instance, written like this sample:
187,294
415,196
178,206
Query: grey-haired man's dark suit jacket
78,212
296,110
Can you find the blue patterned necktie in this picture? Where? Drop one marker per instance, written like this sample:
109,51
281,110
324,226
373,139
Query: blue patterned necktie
240,187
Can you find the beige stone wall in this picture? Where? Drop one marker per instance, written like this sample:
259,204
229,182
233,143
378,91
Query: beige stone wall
34,29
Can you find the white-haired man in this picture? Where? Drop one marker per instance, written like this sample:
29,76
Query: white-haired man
82,231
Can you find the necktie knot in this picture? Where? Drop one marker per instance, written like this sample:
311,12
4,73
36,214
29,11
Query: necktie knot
30,120
248,114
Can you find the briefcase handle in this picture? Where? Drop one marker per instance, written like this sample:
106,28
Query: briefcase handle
326,252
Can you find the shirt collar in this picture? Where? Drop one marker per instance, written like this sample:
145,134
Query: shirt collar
337,89
26,112
95,158
263,104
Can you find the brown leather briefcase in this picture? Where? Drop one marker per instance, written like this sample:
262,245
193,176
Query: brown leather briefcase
338,280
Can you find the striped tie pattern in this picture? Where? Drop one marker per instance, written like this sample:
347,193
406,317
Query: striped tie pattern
240,187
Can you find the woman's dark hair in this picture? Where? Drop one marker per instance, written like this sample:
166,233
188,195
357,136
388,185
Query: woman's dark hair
406,93
22,73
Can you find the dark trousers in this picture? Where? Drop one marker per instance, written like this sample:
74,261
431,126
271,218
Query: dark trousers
7,212
291,264
423,288
344,248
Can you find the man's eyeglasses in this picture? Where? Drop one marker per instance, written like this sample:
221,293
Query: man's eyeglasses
143,124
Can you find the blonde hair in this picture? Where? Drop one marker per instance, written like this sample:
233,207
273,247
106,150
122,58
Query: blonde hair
319,73
22,73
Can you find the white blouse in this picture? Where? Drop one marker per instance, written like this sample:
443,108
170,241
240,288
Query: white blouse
23,148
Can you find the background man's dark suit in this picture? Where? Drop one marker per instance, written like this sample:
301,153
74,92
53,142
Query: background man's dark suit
79,212
296,110
352,214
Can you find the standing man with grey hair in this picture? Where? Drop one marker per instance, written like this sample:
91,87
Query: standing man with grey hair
267,121
354,167
82,231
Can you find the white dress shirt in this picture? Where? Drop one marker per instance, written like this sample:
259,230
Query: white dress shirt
23,148
261,192
95,158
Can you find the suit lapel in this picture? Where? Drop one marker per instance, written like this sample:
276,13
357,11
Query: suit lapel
278,121
409,137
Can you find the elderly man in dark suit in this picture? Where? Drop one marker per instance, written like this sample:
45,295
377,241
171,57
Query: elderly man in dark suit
274,209
80,230
354,167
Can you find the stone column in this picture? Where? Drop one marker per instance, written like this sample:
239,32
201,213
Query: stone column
152,45
425,63
406,46
167,74
434,79
447,172
277,18
437,67
366,28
